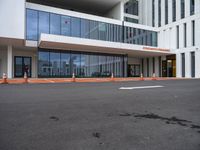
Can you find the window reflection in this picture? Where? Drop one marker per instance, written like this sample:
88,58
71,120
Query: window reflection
64,64
31,25
54,24
65,25
43,22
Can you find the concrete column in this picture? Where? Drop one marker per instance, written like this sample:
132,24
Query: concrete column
197,6
157,66
156,13
181,36
9,62
162,12
187,8
178,9
178,65
187,65
169,11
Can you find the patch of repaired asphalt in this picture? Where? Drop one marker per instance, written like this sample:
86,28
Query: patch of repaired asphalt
54,118
171,120
96,134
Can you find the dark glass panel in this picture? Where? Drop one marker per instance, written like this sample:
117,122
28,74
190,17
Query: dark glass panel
54,64
31,25
43,64
75,27
94,66
94,32
65,25
65,65
85,65
85,28
55,23
76,64
43,22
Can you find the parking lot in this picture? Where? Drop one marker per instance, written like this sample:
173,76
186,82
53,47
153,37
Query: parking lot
136,115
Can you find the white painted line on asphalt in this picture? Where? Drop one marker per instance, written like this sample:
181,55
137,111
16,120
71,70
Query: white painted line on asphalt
140,87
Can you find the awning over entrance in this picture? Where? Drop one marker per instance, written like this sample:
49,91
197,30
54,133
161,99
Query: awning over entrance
50,41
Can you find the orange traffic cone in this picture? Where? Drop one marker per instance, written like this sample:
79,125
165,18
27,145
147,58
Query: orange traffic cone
4,79
25,78
73,78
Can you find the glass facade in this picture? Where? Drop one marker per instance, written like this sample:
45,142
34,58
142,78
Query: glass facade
43,22
131,7
54,63
140,37
132,20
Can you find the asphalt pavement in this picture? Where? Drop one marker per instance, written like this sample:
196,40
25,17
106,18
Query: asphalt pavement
137,115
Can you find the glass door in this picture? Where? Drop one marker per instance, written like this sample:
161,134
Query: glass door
22,65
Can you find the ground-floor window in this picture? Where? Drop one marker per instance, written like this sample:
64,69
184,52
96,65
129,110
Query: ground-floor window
183,64
54,63
192,64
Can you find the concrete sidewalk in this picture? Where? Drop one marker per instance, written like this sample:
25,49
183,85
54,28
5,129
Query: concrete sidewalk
67,80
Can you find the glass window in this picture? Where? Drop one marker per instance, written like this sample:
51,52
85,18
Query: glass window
109,65
31,25
103,31
43,64
65,65
76,64
102,65
75,27
65,25
177,37
85,28
85,65
153,13
185,35
54,24
193,33
193,64
94,33
166,11
131,7
174,10
54,64
192,6
94,66
183,64
182,8
43,22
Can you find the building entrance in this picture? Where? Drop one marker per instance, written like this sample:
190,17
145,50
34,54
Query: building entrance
22,65
169,66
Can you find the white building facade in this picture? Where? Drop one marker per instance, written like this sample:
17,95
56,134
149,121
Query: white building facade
99,38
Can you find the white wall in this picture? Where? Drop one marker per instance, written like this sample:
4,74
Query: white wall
12,16
117,12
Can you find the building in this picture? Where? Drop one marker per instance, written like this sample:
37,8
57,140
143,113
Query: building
96,38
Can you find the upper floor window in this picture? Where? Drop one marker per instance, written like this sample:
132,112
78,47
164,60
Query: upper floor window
131,7
153,13
174,10
166,11
31,25
192,4
182,9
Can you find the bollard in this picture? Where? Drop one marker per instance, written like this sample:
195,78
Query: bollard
4,79
73,78
141,77
112,77
154,76
25,78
